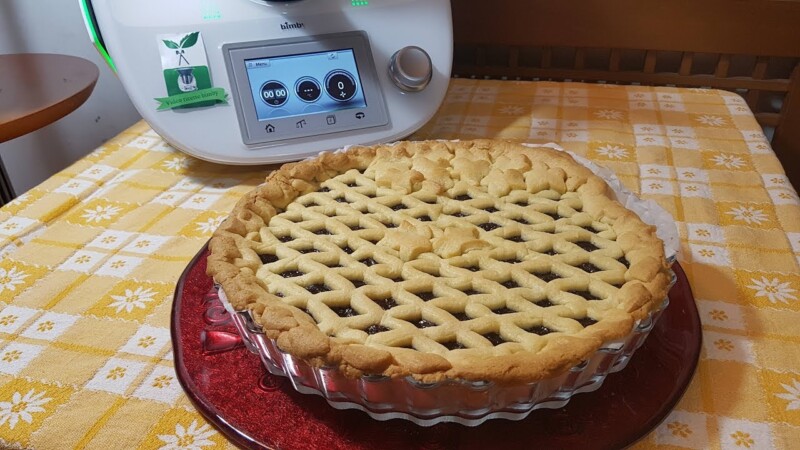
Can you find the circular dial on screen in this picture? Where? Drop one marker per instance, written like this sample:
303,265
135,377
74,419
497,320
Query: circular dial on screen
274,93
307,89
340,85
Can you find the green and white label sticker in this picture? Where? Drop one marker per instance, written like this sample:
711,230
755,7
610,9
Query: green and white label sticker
186,74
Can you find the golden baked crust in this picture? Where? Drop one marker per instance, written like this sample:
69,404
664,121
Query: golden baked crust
478,260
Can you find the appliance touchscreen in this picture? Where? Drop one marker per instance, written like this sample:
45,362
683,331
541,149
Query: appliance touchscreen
310,83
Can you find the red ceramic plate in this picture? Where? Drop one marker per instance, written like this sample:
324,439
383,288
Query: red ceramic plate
255,409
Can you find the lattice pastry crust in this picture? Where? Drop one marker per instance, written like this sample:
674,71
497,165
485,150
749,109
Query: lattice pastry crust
479,260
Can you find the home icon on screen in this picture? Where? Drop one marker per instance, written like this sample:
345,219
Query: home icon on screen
270,128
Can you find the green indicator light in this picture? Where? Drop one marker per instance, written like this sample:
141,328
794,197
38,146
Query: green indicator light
210,10
91,26
359,2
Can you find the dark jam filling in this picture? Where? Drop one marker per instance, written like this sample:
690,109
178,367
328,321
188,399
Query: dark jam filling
586,321
385,303
516,239
624,261
291,274
341,200
551,252
463,198
368,262
588,246
345,311
425,296
544,303
325,189
540,330
461,316
356,227
473,268
398,207
425,218
510,284
491,209
521,203
547,276
494,338
266,259
422,323
459,214
375,329
453,345
323,231
585,294
358,283
389,225
555,216
286,239
472,292
522,221
317,288
511,261
347,250
504,310
351,184
589,268
489,226
308,250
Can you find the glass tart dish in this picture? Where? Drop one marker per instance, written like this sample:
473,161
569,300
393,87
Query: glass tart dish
440,280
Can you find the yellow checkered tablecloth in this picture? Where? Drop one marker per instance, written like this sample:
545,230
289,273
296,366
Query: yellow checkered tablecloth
91,256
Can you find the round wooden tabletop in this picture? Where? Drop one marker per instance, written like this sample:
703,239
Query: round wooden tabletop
36,89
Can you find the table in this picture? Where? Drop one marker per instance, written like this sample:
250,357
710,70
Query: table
91,256
36,89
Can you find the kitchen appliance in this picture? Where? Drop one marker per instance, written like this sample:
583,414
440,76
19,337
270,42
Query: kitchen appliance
252,82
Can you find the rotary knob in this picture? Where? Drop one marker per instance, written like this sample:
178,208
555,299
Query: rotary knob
411,69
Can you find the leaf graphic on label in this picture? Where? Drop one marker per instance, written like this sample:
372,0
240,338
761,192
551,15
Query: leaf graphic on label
189,40
170,44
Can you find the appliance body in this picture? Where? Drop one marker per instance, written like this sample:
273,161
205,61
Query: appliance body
301,77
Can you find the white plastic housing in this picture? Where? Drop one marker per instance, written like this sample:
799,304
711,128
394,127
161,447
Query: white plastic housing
130,29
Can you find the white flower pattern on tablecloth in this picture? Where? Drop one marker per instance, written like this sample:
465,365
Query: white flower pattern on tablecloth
511,110
728,161
773,289
177,163
748,214
20,199
100,213
613,151
192,438
210,225
609,114
132,299
714,121
793,395
21,407
9,279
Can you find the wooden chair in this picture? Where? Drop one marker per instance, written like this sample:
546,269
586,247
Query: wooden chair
749,47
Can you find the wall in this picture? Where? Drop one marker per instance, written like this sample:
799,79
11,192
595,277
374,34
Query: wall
56,26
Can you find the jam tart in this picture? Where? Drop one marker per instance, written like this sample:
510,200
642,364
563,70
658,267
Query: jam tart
473,260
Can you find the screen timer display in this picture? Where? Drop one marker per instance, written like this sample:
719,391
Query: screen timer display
310,83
